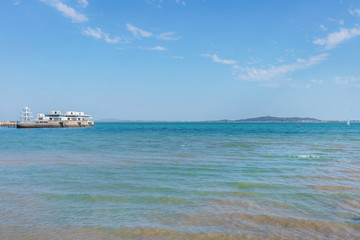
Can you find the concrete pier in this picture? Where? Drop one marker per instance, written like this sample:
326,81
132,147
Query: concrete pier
55,124
8,123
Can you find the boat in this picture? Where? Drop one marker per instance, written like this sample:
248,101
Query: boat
348,123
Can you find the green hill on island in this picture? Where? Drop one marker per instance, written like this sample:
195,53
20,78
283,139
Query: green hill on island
275,119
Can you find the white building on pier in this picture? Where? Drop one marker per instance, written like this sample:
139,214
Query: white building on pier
68,116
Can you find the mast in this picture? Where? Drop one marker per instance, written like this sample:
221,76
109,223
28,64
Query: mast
26,115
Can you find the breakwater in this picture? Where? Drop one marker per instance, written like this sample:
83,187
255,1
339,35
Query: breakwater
55,124
8,123
46,124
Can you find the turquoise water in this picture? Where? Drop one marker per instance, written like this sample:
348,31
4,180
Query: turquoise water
181,181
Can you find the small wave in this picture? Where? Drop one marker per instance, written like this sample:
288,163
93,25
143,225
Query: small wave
185,155
351,171
313,177
242,204
351,205
102,198
333,187
236,144
88,198
277,227
165,200
223,193
263,170
252,185
249,205
303,156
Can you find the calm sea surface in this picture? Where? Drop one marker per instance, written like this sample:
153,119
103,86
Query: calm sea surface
181,181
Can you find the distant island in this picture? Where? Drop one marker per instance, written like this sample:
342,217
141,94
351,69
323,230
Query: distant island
257,119
273,119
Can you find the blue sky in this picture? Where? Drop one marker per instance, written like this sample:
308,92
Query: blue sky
181,59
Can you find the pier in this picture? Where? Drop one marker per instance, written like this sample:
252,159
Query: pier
8,124
55,119
55,124
46,124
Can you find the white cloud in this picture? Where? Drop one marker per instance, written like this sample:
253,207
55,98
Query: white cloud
96,33
99,34
284,82
181,2
352,81
216,59
137,32
159,2
111,40
177,57
280,59
16,2
261,74
167,36
66,10
83,3
317,81
158,48
354,12
323,28
335,38
341,22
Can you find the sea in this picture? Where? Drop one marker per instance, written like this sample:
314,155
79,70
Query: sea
181,181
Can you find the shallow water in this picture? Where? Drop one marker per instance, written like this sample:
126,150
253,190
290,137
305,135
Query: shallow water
181,181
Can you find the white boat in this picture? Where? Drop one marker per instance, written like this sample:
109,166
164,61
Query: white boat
348,123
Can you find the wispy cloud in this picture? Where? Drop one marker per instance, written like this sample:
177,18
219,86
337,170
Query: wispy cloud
16,2
289,82
158,48
335,38
216,59
96,33
159,3
111,40
317,81
137,32
67,11
352,81
99,34
167,36
272,72
354,11
177,57
181,2
83,3
323,27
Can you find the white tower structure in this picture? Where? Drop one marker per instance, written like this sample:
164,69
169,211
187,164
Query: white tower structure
26,115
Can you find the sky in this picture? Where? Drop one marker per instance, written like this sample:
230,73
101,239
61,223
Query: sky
181,60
